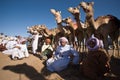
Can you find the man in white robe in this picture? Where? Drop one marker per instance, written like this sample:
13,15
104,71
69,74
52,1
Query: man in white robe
10,46
35,42
20,50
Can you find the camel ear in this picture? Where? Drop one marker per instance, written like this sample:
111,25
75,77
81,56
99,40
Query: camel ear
27,27
92,3
69,17
52,10
78,7
60,12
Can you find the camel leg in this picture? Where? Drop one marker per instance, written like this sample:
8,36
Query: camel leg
81,46
114,47
118,49
116,44
84,45
106,46
78,46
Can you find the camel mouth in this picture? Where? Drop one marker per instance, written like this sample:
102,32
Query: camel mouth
84,9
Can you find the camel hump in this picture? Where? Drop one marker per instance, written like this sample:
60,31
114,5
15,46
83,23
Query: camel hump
115,19
111,17
107,18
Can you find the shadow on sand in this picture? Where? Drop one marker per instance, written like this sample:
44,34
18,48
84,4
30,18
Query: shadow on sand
25,69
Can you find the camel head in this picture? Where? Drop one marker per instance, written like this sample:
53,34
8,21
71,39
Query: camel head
43,27
74,10
57,15
30,30
87,6
67,20
36,29
70,22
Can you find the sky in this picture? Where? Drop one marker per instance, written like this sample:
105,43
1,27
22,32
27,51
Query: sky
17,15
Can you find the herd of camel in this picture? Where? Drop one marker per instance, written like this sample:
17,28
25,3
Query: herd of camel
77,31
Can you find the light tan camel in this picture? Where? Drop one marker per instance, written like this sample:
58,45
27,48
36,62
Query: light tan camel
102,26
37,28
53,34
64,29
80,29
73,27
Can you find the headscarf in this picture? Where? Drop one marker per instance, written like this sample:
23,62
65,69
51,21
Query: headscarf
23,40
63,39
94,44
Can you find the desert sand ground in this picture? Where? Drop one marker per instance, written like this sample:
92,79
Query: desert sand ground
33,68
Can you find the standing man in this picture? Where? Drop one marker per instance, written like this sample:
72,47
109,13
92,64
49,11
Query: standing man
35,42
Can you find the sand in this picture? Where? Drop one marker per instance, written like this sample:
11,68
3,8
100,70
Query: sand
32,68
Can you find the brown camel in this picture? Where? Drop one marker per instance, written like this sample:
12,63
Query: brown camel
102,26
80,30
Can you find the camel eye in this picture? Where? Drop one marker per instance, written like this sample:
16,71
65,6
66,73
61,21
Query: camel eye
87,3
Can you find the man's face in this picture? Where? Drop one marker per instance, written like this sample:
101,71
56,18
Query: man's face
92,43
63,43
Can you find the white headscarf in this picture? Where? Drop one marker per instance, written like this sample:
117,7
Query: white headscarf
63,39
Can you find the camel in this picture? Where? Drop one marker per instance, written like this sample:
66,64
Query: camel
58,18
55,33
73,27
63,29
38,29
80,29
102,26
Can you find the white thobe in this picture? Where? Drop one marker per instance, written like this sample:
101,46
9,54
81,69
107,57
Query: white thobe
11,44
17,53
24,49
35,43
45,46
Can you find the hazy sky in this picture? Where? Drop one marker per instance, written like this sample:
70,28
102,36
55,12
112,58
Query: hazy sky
16,15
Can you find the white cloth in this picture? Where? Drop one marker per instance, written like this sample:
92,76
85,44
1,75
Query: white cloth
44,47
17,53
11,44
62,58
4,42
35,43
23,48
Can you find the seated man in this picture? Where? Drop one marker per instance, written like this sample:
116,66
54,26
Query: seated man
63,55
20,50
96,64
46,50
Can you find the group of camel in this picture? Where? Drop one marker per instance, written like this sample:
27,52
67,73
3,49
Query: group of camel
77,31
